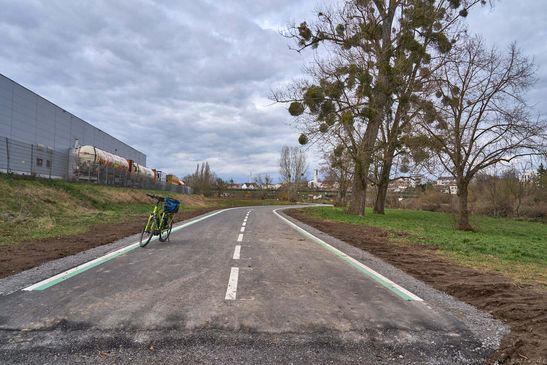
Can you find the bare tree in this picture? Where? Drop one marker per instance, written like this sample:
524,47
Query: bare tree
479,117
292,167
202,180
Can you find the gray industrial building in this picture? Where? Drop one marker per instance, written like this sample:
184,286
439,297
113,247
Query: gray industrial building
36,135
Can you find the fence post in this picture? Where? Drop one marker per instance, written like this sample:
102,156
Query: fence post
50,163
31,158
8,170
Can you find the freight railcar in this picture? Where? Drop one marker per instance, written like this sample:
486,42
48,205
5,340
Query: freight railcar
89,157
141,171
92,163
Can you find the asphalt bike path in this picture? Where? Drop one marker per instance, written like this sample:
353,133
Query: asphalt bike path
242,272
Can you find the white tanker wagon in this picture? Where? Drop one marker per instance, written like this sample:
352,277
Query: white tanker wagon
141,171
90,157
87,162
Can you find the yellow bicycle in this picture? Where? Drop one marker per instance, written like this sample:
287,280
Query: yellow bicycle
160,221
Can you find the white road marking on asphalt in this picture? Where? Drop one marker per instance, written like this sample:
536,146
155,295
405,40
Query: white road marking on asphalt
240,238
237,252
359,265
244,224
232,284
242,229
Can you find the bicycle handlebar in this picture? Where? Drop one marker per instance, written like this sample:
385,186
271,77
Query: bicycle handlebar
157,197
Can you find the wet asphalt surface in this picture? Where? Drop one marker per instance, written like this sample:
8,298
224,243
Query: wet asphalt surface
295,302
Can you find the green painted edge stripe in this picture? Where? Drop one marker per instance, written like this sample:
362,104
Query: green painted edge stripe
372,275
87,267
348,259
47,283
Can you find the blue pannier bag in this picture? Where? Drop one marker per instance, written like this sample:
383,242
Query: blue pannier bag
171,205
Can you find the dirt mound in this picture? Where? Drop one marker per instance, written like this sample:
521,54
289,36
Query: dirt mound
26,255
523,307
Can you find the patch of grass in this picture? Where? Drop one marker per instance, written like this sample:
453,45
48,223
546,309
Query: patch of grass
69,223
516,248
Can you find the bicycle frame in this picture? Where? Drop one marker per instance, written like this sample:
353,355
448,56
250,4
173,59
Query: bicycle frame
158,216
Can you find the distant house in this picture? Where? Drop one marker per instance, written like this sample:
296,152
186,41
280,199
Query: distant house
271,186
446,181
405,182
401,184
250,186
447,185
233,187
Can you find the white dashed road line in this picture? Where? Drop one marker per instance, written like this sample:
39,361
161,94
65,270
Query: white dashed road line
237,252
232,284
231,291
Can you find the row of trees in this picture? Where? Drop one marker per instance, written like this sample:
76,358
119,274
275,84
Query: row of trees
293,169
402,81
204,181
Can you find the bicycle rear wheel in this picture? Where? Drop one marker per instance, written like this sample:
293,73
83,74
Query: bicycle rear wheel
166,230
148,231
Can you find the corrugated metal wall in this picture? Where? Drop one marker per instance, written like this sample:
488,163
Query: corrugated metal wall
29,118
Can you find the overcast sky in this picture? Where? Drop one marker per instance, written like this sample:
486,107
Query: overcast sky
186,81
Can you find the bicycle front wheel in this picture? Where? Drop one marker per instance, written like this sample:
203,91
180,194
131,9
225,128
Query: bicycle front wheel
148,231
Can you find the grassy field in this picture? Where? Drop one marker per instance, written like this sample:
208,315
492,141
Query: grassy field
34,209
515,248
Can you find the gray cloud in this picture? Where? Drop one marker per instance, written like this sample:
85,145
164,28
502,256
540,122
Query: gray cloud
523,22
188,81
183,82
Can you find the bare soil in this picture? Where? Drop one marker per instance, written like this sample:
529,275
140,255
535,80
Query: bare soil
26,255
522,307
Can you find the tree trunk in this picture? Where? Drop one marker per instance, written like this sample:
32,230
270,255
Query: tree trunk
463,211
380,203
362,166
383,182
358,193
